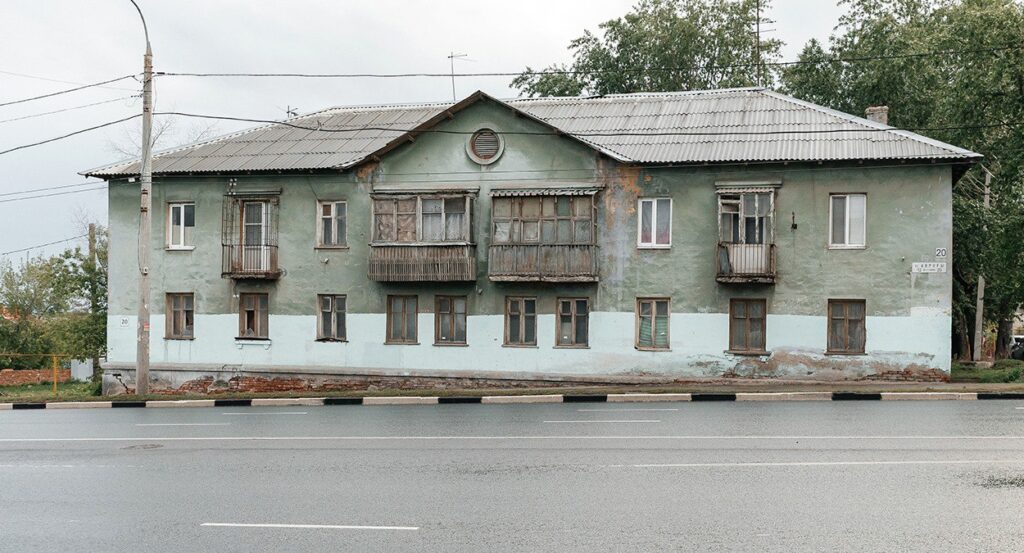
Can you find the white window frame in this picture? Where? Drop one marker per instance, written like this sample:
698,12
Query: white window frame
334,217
170,218
653,245
847,246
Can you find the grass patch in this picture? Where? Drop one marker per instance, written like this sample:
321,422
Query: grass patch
32,393
1002,371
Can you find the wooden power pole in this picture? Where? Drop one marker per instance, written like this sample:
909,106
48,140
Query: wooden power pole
145,217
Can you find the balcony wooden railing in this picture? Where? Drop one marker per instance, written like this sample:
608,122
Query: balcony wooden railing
250,262
746,263
543,263
422,263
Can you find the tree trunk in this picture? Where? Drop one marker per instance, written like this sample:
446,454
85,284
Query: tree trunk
961,339
1004,338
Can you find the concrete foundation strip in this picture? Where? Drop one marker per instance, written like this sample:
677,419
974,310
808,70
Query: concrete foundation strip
516,399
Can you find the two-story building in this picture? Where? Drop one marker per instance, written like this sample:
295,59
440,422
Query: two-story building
664,236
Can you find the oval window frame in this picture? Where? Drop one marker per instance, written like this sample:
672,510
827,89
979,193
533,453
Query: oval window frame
480,160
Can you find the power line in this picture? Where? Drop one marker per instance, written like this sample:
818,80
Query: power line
46,244
47,141
112,100
83,87
59,187
826,60
65,193
37,77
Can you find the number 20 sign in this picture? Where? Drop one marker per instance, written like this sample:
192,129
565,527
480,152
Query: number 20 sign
940,252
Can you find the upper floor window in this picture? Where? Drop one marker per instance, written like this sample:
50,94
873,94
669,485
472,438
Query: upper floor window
436,219
331,230
847,216
249,235
181,224
543,220
746,217
654,224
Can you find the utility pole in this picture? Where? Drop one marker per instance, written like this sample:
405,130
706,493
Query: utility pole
979,308
145,215
451,59
757,45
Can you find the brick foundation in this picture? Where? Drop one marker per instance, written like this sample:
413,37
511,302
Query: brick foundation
20,377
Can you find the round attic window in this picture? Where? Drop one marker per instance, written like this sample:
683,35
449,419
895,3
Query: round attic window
485,146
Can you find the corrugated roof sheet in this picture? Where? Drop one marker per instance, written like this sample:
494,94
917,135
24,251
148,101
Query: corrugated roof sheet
731,125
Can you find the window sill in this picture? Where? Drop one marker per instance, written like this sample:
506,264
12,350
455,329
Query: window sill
322,247
654,246
248,339
328,340
180,338
451,344
401,343
846,353
571,347
834,247
642,348
521,346
747,353
420,244
179,248
241,342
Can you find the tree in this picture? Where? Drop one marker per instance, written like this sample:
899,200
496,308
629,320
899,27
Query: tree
663,45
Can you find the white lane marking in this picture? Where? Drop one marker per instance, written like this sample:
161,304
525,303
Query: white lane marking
1018,407
267,414
602,422
619,410
830,463
183,424
481,438
67,466
307,526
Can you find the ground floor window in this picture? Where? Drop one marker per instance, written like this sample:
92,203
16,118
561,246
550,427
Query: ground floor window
331,324
520,321
450,320
573,322
846,326
652,320
253,316
180,311
747,325
401,320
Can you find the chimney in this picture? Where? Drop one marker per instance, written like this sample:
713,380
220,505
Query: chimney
878,114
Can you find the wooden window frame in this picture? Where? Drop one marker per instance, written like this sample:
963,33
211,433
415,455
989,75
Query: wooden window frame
575,315
522,322
321,336
516,217
334,227
862,350
388,339
169,239
653,244
746,319
654,315
262,319
467,222
454,314
172,315
831,214
735,197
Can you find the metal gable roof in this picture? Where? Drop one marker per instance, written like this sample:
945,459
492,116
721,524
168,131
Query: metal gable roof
730,125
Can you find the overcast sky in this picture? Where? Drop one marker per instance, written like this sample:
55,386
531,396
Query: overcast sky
94,40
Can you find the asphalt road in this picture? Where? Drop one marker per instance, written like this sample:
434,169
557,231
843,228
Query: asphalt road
794,476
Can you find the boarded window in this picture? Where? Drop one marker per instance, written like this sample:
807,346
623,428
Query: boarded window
846,326
543,220
331,323
652,320
180,315
746,218
253,316
181,219
401,320
332,232
520,321
421,219
747,325
655,223
847,228
450,320
573,322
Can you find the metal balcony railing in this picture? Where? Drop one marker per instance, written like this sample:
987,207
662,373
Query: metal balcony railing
255,261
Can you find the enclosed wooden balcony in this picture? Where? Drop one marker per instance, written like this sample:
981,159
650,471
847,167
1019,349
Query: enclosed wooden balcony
422,262
542,263
243,262
746,263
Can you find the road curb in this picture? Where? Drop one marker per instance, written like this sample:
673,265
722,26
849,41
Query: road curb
523,399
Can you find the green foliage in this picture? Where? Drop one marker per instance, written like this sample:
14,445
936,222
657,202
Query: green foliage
662,45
